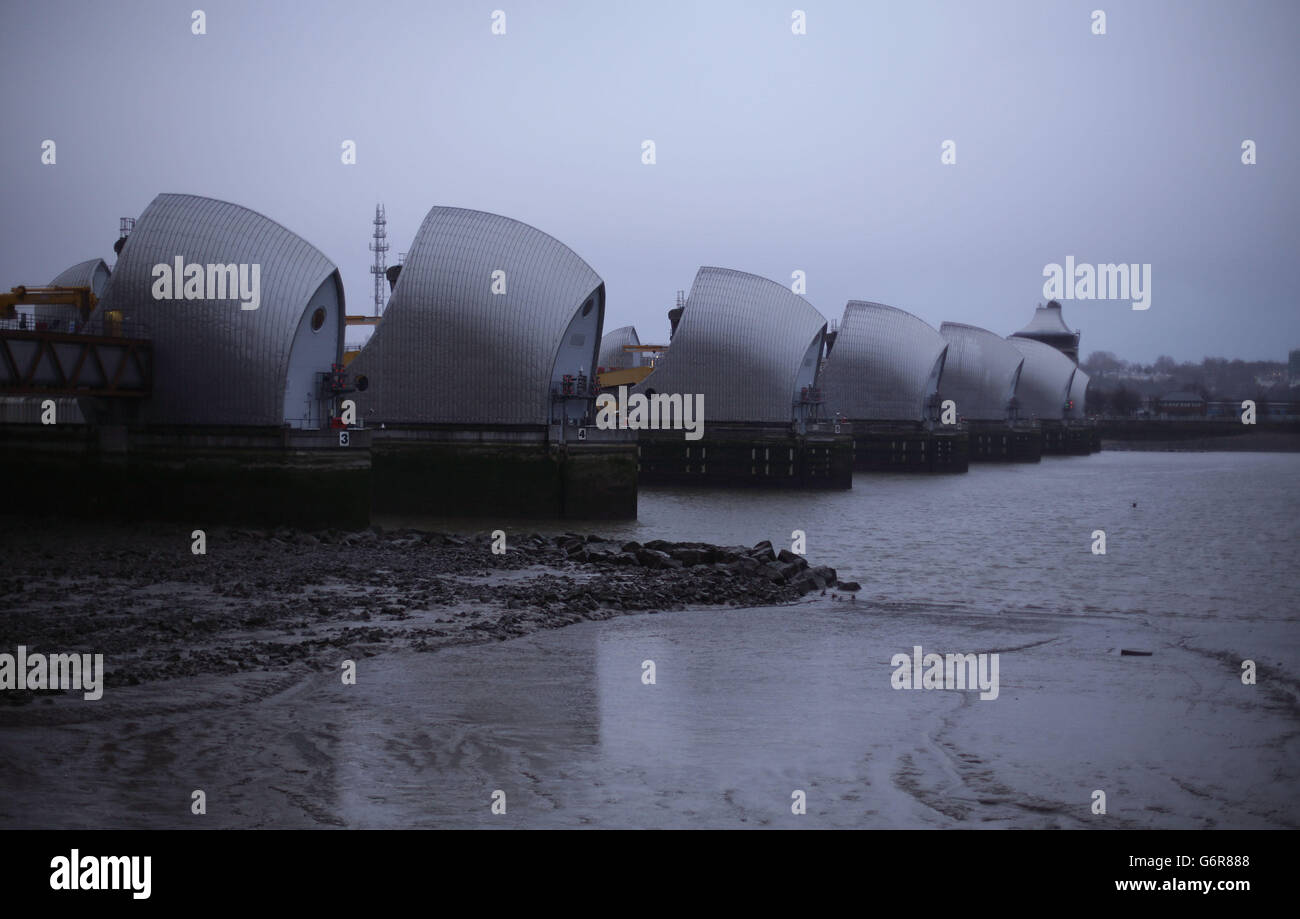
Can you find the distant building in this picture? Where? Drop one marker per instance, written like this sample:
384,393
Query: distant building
1048,326
1181,403
1293,368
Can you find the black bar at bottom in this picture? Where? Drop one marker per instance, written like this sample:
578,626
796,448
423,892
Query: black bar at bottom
367,868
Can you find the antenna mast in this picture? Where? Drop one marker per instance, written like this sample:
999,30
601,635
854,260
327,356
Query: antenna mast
380,248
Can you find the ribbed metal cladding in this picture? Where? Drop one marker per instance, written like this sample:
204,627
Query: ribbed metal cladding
980,373
882,366
741,342
449,351
215,363
1044,380
612,355
92,273
1079,393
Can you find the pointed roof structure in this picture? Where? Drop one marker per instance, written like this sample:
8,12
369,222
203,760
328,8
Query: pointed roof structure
1048,326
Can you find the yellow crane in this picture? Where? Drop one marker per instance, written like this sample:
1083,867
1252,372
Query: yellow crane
83,298
632,375
372,321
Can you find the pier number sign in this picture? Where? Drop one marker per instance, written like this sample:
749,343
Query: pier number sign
345,438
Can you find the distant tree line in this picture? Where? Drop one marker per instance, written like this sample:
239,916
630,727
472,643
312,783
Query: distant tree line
1120,387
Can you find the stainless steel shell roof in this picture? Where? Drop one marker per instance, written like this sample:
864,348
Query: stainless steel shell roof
882,367
215,363
612,355
742,342
981,371
92,273
448,350
1079,393
1044,380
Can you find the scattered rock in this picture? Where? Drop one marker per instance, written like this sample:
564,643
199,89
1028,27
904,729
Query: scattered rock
265,608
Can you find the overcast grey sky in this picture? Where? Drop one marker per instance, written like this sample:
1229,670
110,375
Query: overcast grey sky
775,151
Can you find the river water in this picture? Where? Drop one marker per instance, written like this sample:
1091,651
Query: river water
750,707
1212,535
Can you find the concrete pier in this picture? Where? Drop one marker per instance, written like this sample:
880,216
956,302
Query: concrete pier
589,475
1203,430
1082,438
760,456
1054,439
201,476
1021,442
313,479
909,448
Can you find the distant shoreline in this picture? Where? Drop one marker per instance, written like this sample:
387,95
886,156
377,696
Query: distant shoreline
1199,435
1261,442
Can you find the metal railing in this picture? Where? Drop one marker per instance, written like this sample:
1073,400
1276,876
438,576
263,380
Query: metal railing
98,327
